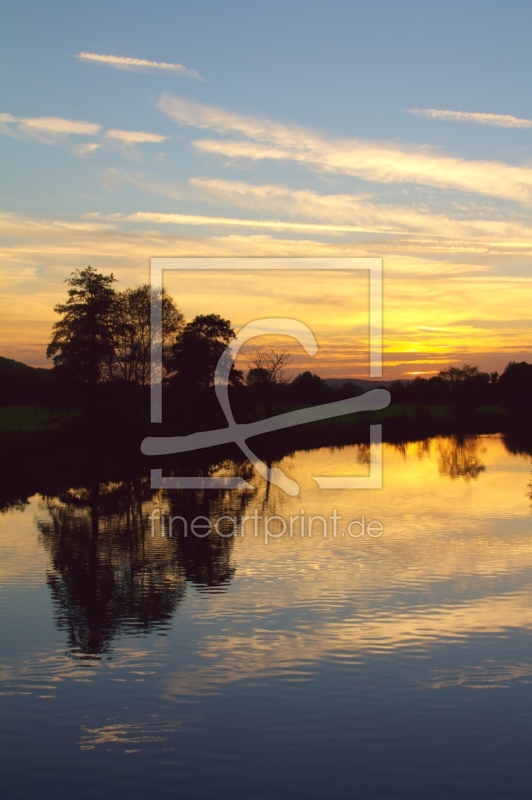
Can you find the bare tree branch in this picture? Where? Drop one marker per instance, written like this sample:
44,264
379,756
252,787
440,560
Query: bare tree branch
268,365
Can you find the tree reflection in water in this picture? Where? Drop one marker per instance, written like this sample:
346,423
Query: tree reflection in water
460,458
109,576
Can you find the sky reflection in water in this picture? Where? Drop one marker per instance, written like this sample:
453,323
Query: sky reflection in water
293,668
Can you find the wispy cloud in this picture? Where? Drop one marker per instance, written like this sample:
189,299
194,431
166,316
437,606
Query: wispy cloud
135,137
116,177
375,161
46,129
12,224
200,219
393,228
85,150
57,130
139,64
60,126
476,117
7,121
359,213
422,291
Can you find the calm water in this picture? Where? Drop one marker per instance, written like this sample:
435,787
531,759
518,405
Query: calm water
139,666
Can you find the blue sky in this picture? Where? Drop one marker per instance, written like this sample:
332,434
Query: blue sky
300,117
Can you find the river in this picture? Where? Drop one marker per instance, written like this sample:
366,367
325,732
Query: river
381,649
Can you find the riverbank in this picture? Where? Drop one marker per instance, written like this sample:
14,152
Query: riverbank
45,450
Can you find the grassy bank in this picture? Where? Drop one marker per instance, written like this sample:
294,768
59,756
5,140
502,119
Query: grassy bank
24,419
46,452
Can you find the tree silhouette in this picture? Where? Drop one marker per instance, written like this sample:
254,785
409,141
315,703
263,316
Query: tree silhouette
308,388
267,365
130,359
82,341
515,385
199,348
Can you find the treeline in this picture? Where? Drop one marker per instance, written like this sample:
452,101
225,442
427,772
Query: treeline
100,349
469,387
103,337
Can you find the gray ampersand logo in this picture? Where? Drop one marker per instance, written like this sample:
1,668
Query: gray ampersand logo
240,433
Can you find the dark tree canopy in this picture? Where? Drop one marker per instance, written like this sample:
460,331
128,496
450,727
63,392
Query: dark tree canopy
131,357
461,374
308,388
515,384
464,386
105,335
82,341
199,348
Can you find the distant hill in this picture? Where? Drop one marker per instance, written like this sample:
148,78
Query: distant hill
21,384
337,383
24,385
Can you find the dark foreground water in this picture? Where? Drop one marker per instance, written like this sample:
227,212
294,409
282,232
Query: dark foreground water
135,665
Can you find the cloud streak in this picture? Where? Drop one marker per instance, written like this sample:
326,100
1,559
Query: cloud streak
59,126
379,162
311,211
135,137
139,64
200,219
46,128
57,131
475,117
422,292
85,150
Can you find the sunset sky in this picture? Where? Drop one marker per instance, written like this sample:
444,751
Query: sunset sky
394,130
